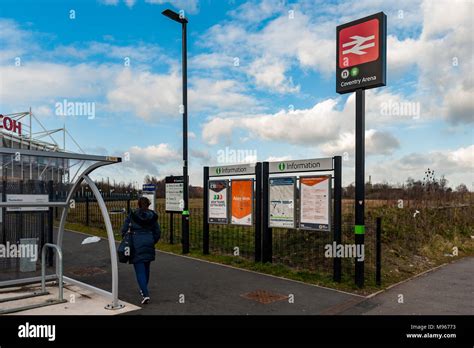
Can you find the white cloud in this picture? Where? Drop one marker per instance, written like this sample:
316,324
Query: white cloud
257,11
137,54
149,96
215,95
157,160
271,75
190,6
268,54
464,157
402,54
161,153
457,165
376,143
213,60
150,159
426,37
321,124
278,158
14,42
217,128
459,104
48,82
298,126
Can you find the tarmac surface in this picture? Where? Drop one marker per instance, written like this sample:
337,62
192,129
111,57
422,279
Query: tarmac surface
448,290
184,285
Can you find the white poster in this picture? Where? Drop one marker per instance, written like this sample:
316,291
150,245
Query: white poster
217,193
23,198
282,202
174,197
315,203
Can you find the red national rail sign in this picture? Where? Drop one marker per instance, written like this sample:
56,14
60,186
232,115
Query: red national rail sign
361,54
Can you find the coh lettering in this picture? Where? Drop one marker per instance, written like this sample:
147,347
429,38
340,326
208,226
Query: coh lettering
10,124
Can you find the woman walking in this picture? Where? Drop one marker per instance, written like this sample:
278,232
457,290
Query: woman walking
143,224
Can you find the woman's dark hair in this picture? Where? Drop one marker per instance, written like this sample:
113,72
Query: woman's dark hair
143,203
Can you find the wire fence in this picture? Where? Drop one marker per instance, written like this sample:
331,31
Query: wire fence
302,250
298,249
16,225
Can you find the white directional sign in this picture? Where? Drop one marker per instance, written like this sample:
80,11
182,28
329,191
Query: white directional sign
308,165
21,198
149,191
174,188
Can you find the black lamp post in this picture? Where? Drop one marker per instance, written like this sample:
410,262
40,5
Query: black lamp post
185,214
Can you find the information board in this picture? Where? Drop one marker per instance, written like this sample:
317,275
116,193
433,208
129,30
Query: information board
282,202
218,209
242,202
174,194
315,203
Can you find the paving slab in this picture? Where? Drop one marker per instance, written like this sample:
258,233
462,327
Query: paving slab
80,301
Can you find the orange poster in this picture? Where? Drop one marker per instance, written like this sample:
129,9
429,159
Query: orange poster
242,202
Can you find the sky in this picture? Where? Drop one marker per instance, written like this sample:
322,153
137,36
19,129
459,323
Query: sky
261,78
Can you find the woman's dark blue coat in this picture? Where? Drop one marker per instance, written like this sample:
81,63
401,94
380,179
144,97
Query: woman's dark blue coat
145,234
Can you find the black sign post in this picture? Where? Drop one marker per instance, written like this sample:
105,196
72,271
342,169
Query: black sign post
258,212
266,230
359,228
185,212
361,64
205,221
337,230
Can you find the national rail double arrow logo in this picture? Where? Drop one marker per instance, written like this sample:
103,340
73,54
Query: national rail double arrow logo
359,44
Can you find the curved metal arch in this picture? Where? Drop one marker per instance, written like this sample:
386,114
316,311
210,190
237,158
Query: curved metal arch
108,226
73,189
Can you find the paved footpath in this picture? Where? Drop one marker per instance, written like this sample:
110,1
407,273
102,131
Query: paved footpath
447,290
208,288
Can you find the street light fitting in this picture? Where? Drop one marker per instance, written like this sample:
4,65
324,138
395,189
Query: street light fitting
174,16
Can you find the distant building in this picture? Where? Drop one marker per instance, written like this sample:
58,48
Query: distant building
28,175
17,134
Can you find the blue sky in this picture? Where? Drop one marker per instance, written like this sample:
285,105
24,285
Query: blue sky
278,102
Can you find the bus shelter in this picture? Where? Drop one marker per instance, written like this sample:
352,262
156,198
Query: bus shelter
82,165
